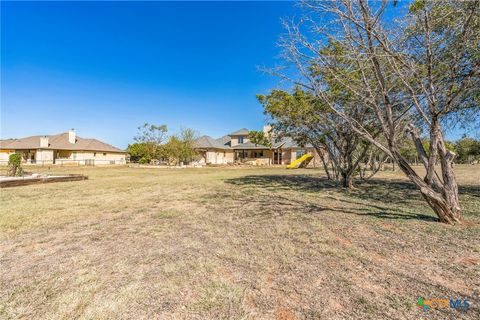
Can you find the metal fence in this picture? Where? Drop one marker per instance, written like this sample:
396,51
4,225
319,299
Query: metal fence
67,162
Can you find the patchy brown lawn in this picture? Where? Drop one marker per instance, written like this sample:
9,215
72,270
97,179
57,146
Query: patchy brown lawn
233,244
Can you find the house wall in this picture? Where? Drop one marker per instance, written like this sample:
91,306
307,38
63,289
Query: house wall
218,156
234,140
296,152
286,156
315,162
230,156
214,157
251,154
102,157
268,154
293,155
4,155
43,156
83,157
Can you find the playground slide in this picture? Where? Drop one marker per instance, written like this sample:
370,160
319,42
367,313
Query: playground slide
301,162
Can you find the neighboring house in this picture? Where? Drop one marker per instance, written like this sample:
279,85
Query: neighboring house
64,148
236,147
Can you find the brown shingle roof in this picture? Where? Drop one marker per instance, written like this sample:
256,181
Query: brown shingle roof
206,142
249,146
59,142
240,132
225,141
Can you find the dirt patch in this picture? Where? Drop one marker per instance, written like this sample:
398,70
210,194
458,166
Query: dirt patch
224,243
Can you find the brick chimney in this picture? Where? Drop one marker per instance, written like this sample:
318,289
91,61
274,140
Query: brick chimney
44,142
72,136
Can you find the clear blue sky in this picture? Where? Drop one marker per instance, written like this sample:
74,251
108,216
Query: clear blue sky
104,68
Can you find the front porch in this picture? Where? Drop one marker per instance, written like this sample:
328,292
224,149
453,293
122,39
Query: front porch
258,156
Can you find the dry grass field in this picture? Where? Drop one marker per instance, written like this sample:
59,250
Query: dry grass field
219,243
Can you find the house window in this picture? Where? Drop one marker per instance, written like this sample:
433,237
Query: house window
240,154
94,154
104,153
300,153
240,139
258,154
277,157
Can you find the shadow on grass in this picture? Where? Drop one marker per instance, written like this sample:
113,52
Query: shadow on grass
370,192
473,191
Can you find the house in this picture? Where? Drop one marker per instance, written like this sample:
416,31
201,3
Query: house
237,148
64,148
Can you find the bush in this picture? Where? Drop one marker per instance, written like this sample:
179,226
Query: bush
144,150
15,164
144,160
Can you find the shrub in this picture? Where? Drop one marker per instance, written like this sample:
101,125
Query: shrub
15,164
144,160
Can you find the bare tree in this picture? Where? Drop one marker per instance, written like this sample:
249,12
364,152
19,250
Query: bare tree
413,75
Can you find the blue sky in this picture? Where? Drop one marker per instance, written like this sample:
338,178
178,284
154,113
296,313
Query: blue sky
105,68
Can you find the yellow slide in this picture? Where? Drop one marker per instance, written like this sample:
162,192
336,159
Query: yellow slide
301,162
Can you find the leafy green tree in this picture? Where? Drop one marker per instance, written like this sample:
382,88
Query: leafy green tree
143,152
187,138
151,137
259,138
303,117
173,150
468,150
180,148
408,151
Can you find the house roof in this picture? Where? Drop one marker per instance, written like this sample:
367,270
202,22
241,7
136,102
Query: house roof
59,142
240,132
288,142
206,142
225,140
248,146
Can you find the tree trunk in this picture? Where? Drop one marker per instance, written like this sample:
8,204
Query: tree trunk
445,212
347,180
450,186
422,154
445,203
324,162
